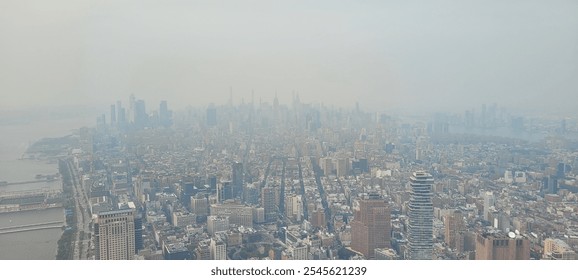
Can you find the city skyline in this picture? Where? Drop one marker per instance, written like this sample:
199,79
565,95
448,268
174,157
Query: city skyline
307,182
221,130
382,55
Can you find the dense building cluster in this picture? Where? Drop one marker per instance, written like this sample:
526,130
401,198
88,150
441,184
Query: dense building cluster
308,182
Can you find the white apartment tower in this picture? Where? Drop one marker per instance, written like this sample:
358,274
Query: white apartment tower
420,226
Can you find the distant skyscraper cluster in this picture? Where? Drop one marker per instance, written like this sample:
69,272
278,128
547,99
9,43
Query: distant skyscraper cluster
136,115
314,183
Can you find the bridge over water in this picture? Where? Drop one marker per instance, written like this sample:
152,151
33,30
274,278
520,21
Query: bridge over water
29,193
31,227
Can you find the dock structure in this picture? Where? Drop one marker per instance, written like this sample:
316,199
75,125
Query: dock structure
29,193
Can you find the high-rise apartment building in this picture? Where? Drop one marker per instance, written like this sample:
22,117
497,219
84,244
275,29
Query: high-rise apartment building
371,226
556,249
224,191
420,223
268,201
218,249
115,235
293,207
489,201
454,230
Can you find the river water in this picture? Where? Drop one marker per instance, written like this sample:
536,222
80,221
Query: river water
38,244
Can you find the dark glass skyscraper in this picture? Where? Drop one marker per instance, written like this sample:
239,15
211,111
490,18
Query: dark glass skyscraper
420,227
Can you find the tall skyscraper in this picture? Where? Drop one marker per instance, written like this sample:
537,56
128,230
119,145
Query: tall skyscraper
269,204
115,235
131,106
121,121
140,115
118,111
138,228
164,114
212,116
489,201
371,226
550,185
112,115
454,230
237,178
420,226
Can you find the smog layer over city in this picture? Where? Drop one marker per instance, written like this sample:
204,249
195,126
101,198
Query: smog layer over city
294,130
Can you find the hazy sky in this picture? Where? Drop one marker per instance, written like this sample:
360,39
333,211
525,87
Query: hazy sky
384,54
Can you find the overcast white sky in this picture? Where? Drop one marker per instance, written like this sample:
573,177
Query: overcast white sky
383,54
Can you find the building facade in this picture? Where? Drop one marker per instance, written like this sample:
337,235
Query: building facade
454,230
371,226
420,222
115,235
501,246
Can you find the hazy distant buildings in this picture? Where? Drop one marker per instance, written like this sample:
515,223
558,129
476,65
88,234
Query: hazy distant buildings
517,124
205,168
140,116
211,116
237,179
164,114
420,224
112,115
550,185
